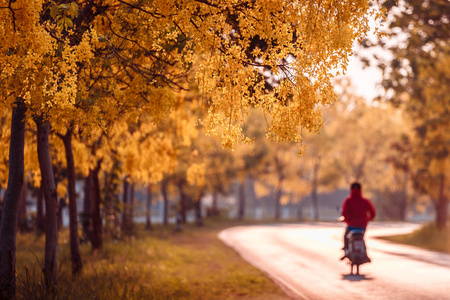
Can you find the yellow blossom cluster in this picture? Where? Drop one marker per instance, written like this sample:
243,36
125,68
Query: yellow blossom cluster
122,64
195,174
297,44
300,44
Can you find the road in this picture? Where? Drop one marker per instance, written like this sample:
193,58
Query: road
304,260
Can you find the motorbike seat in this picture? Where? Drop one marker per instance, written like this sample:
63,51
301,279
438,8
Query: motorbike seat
355,233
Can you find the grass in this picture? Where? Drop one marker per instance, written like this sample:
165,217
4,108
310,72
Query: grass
156,264
428,237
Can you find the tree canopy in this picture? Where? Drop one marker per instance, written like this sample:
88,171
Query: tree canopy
83,53
418,80
103,73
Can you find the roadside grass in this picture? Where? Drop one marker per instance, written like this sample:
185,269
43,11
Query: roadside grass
428,237
155,264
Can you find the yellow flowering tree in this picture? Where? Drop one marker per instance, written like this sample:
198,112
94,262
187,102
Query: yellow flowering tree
116,56
23,61
417,79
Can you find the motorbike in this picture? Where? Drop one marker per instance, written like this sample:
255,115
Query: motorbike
356,252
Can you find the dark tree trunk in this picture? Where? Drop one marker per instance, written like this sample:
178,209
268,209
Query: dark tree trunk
198,212
75,255
125,200
299,211
131,208
442,205
148,213
278,192
166,203
183,202
86,219
315,202
22,218
241,208
97,230
40,218
62,204
314,186
51,204
214,208
403,202
8,227
404,199
2,199
291,205
1,209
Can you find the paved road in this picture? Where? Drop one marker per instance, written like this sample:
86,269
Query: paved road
304,260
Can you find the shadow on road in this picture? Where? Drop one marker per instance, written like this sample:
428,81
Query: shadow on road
354,277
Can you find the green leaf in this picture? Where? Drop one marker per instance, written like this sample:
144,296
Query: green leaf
67,23
73,9
54,10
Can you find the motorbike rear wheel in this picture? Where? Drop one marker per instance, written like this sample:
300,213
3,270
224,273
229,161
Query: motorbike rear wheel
357,269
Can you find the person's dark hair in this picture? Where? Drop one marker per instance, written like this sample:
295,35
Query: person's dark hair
355,185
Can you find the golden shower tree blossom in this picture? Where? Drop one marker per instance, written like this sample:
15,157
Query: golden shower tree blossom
113,59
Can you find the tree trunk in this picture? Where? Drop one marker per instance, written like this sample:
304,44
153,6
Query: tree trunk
405,198
315,202
291,205
314,186
278,200
125,220
40,218
2,199
8,227
148,213
166,203
299,211
86,219
22,217
62,204
442,205
198,212
51,204
131,208
183,200
97,230
241,208
75,255
215,209
254,204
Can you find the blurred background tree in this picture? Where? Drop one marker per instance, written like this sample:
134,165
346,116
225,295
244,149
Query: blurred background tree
417,79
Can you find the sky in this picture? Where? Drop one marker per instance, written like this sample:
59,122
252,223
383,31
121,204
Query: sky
365,80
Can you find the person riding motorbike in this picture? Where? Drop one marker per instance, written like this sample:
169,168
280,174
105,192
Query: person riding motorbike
356,212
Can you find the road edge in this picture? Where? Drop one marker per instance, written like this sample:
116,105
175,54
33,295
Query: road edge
288,289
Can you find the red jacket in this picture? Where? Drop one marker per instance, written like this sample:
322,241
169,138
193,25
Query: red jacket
357,210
